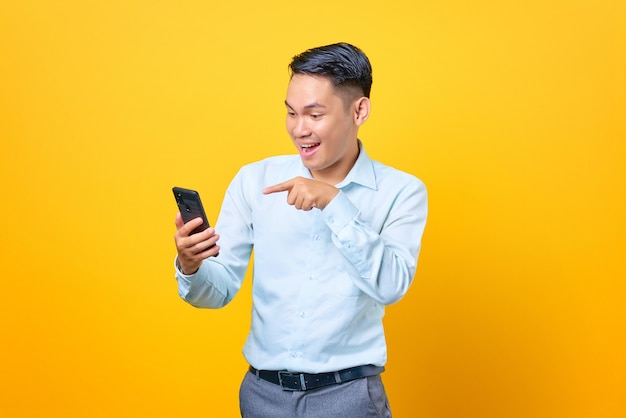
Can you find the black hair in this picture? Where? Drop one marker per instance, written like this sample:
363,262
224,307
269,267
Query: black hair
343,64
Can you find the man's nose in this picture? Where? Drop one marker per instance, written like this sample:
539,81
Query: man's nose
301,128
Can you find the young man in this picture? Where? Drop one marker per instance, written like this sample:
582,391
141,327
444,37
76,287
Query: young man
336,237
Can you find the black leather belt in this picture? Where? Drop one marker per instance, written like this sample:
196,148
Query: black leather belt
306,381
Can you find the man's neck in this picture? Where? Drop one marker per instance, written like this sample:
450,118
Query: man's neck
335,175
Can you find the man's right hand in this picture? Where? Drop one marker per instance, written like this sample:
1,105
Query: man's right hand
192,249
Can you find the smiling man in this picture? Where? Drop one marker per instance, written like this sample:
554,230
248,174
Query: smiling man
336,238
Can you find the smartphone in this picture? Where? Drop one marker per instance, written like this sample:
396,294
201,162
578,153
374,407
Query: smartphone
190,207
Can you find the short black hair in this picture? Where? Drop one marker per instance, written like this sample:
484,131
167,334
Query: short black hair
344,64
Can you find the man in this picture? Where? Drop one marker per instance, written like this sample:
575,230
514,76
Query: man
336,238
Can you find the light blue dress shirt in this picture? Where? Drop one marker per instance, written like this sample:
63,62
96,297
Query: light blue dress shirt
322,278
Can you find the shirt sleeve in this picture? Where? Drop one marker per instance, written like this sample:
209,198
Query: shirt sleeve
202,290
385,260
219,279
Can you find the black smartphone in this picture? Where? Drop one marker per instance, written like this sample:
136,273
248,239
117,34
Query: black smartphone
190,207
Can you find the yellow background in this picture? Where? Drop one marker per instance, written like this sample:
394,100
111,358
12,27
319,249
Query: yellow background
512,112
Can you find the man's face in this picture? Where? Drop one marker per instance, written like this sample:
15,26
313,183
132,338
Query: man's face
322,126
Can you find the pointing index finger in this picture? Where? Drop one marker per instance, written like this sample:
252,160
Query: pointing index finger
280,187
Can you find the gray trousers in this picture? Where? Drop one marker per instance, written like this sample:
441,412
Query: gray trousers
360,398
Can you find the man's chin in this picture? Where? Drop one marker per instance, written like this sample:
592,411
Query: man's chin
311,167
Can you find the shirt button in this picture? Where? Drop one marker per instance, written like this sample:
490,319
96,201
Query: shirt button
311,277
331,220
316,237
294,355
301,314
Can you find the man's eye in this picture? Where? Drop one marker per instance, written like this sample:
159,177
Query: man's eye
315,116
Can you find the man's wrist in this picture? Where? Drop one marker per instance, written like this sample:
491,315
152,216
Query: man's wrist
180,269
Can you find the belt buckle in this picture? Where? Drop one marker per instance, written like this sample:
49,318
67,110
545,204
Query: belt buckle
299,379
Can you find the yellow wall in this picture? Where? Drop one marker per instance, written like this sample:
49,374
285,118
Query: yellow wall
511,112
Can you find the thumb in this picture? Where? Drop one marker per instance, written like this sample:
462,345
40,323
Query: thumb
179,221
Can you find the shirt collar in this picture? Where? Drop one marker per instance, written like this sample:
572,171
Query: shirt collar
362,171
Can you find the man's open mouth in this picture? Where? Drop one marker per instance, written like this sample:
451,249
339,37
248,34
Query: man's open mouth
309,148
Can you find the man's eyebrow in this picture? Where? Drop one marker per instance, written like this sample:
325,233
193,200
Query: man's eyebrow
309,106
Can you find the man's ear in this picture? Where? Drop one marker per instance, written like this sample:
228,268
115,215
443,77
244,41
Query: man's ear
362,109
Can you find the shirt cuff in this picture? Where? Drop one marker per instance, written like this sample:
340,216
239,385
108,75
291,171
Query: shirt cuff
339,213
